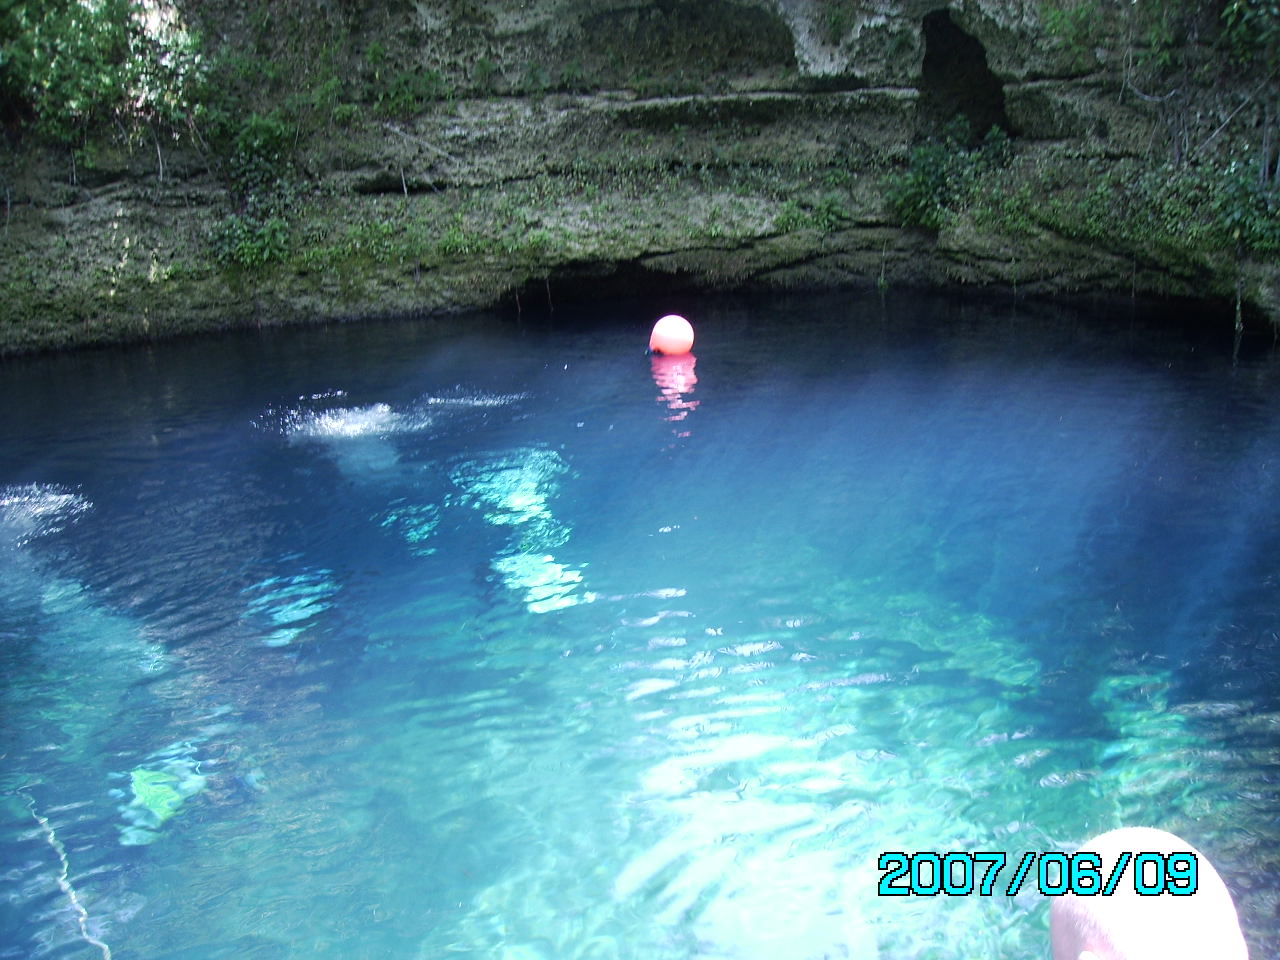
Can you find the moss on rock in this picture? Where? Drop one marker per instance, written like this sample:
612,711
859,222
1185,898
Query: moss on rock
447,155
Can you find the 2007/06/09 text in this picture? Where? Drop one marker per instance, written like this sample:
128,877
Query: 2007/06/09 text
958,874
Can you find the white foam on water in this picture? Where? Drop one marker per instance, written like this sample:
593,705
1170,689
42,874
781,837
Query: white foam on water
476,401
377,419
32,510
80,626
359,437
314,417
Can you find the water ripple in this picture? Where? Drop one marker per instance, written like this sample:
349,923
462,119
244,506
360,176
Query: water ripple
37,510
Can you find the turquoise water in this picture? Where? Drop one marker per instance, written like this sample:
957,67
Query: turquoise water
506,641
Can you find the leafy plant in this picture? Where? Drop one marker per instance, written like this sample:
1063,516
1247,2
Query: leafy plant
375,54
791,217
485,73
536,79
1251,30
244,241
1248,210
941,174
825,214
455,241
839,20
1075,27
72,65
1195,216
573,77
1252,27
260,154
408,91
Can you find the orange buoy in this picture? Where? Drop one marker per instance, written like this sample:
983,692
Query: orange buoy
672,335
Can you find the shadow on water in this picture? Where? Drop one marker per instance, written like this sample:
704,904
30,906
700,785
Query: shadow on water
511,641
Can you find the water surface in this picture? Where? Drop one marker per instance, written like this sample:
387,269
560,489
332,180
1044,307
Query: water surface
505,640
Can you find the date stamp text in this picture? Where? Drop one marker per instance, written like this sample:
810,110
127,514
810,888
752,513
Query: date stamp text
982,873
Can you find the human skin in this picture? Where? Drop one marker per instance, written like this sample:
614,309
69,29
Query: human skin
1129,926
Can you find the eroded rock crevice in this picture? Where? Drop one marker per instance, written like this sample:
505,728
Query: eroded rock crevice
956,81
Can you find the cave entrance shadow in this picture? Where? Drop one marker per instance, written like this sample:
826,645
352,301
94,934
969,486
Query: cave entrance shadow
955,80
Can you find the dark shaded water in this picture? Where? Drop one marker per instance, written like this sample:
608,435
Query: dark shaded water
391,641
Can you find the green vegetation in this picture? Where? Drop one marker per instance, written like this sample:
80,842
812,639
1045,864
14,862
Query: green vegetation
245,241
336,156
95,74
839,20
1205,195
942,175
826,212
402,91
1175,213
1192,62
1183,220
73,67
1252,33
1076,29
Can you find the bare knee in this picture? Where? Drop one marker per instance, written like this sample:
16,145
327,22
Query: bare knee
1129,926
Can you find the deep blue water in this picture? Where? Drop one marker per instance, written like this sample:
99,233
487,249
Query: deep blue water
503,640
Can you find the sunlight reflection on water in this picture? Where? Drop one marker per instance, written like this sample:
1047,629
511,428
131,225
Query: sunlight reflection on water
547,665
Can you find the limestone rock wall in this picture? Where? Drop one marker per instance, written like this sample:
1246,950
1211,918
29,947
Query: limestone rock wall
598,146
